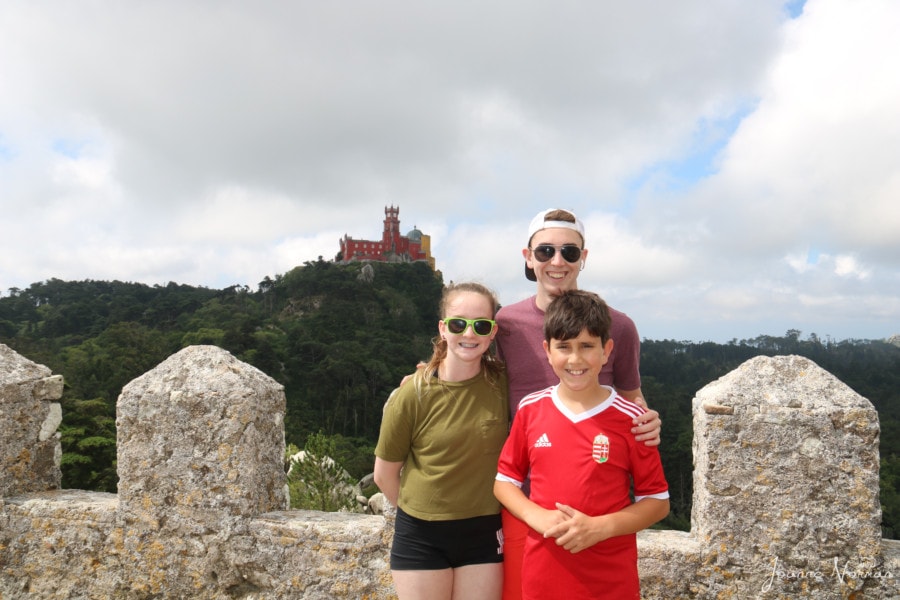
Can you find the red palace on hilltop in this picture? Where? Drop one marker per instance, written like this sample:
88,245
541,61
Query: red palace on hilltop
392,247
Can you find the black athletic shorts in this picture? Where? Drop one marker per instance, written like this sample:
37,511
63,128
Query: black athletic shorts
424,545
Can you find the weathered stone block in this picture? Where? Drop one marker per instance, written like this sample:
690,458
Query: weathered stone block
786,478
30,450
200,451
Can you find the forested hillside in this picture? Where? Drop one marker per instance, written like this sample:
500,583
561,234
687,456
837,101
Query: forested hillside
340,339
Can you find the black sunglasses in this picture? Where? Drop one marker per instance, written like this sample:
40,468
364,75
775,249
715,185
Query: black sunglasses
544,252
458,325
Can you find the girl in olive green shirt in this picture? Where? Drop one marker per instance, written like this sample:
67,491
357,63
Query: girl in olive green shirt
436,458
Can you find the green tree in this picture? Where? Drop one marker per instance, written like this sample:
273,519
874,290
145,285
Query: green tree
316,480
88,439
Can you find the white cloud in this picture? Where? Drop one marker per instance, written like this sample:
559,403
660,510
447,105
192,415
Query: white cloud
848,266
812,163
215,143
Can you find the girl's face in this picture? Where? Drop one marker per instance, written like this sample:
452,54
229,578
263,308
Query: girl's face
467,346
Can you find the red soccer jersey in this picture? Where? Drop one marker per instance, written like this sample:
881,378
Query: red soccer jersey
587,461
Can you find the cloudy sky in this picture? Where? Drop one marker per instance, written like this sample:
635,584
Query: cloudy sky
736,164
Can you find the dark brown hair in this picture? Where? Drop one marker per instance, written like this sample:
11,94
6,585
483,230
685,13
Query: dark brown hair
572,312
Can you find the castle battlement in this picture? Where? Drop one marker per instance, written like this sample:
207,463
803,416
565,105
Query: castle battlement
785,495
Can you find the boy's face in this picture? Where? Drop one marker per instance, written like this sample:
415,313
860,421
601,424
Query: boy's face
555,275
578,361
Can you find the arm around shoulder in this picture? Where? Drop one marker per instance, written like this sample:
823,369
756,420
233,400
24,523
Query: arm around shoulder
648,425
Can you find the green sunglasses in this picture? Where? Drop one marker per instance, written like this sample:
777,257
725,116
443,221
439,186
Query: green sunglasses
458,325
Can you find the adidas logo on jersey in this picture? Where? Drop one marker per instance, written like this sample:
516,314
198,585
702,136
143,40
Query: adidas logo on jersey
543,441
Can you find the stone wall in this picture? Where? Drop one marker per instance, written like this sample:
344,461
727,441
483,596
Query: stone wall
785,495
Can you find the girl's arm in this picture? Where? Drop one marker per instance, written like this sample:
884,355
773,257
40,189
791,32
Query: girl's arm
387,478
538,518
580,531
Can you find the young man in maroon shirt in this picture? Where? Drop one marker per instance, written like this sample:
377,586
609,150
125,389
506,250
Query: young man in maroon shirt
554,256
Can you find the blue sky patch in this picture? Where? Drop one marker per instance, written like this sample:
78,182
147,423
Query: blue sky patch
69,148
699,160
794,8
6,151
812,256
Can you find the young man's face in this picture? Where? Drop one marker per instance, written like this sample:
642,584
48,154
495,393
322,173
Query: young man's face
578,361
557,274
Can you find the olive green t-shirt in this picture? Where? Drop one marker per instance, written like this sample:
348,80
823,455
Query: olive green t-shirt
449,436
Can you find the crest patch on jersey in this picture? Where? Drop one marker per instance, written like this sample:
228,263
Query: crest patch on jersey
600,450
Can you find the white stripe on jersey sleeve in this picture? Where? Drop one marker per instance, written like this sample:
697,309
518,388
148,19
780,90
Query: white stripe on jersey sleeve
659,496
515,482
534,397
629,408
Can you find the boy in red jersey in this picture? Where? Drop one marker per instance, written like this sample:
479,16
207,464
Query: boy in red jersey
574,441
